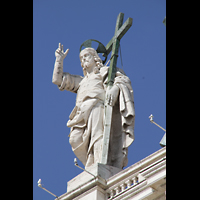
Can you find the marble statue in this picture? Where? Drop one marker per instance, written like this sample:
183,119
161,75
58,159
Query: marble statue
87,118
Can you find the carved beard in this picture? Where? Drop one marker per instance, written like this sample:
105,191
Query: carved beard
85,65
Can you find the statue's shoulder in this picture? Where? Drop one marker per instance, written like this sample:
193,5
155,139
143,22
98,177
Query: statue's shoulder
104,71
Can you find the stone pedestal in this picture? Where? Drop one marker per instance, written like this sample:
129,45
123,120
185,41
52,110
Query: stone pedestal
145,179
101,172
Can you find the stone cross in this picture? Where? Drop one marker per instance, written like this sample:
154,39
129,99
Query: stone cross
113,45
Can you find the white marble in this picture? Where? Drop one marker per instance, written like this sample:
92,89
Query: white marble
87,118
95,193
145,179
98,170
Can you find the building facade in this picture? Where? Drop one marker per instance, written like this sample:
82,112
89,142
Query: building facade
145,179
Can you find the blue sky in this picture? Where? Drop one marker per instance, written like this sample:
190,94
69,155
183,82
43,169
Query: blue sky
71,22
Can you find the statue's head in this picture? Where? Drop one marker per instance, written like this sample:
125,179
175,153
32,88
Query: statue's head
90,58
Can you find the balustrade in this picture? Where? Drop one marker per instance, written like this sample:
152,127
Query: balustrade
122,187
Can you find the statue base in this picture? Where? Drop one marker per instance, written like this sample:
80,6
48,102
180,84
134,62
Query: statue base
145,179
101,172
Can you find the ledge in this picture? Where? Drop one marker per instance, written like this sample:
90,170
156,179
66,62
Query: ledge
139,179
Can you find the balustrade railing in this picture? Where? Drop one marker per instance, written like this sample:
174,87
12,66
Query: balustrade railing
125,183
122,186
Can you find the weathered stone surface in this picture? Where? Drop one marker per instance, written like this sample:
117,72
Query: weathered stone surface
87,120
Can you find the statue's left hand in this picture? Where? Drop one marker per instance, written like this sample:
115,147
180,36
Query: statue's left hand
112,95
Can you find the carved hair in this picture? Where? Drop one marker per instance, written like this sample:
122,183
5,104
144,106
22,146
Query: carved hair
97,59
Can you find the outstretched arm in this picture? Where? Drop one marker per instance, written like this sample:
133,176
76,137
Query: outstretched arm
58,67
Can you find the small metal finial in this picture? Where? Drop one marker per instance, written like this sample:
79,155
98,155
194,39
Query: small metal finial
39,183
151,118
75,161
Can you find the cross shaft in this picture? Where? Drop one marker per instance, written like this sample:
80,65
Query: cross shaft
120,30
113,45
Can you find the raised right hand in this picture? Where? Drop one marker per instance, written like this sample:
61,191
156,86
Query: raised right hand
60,54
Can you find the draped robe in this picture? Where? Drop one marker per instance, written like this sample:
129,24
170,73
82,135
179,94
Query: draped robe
87,117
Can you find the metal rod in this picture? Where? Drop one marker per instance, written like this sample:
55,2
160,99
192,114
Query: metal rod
151,120
40,185
76,164
48,191
110,59
158,125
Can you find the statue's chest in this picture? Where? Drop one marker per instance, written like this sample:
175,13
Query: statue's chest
92,82
90,86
